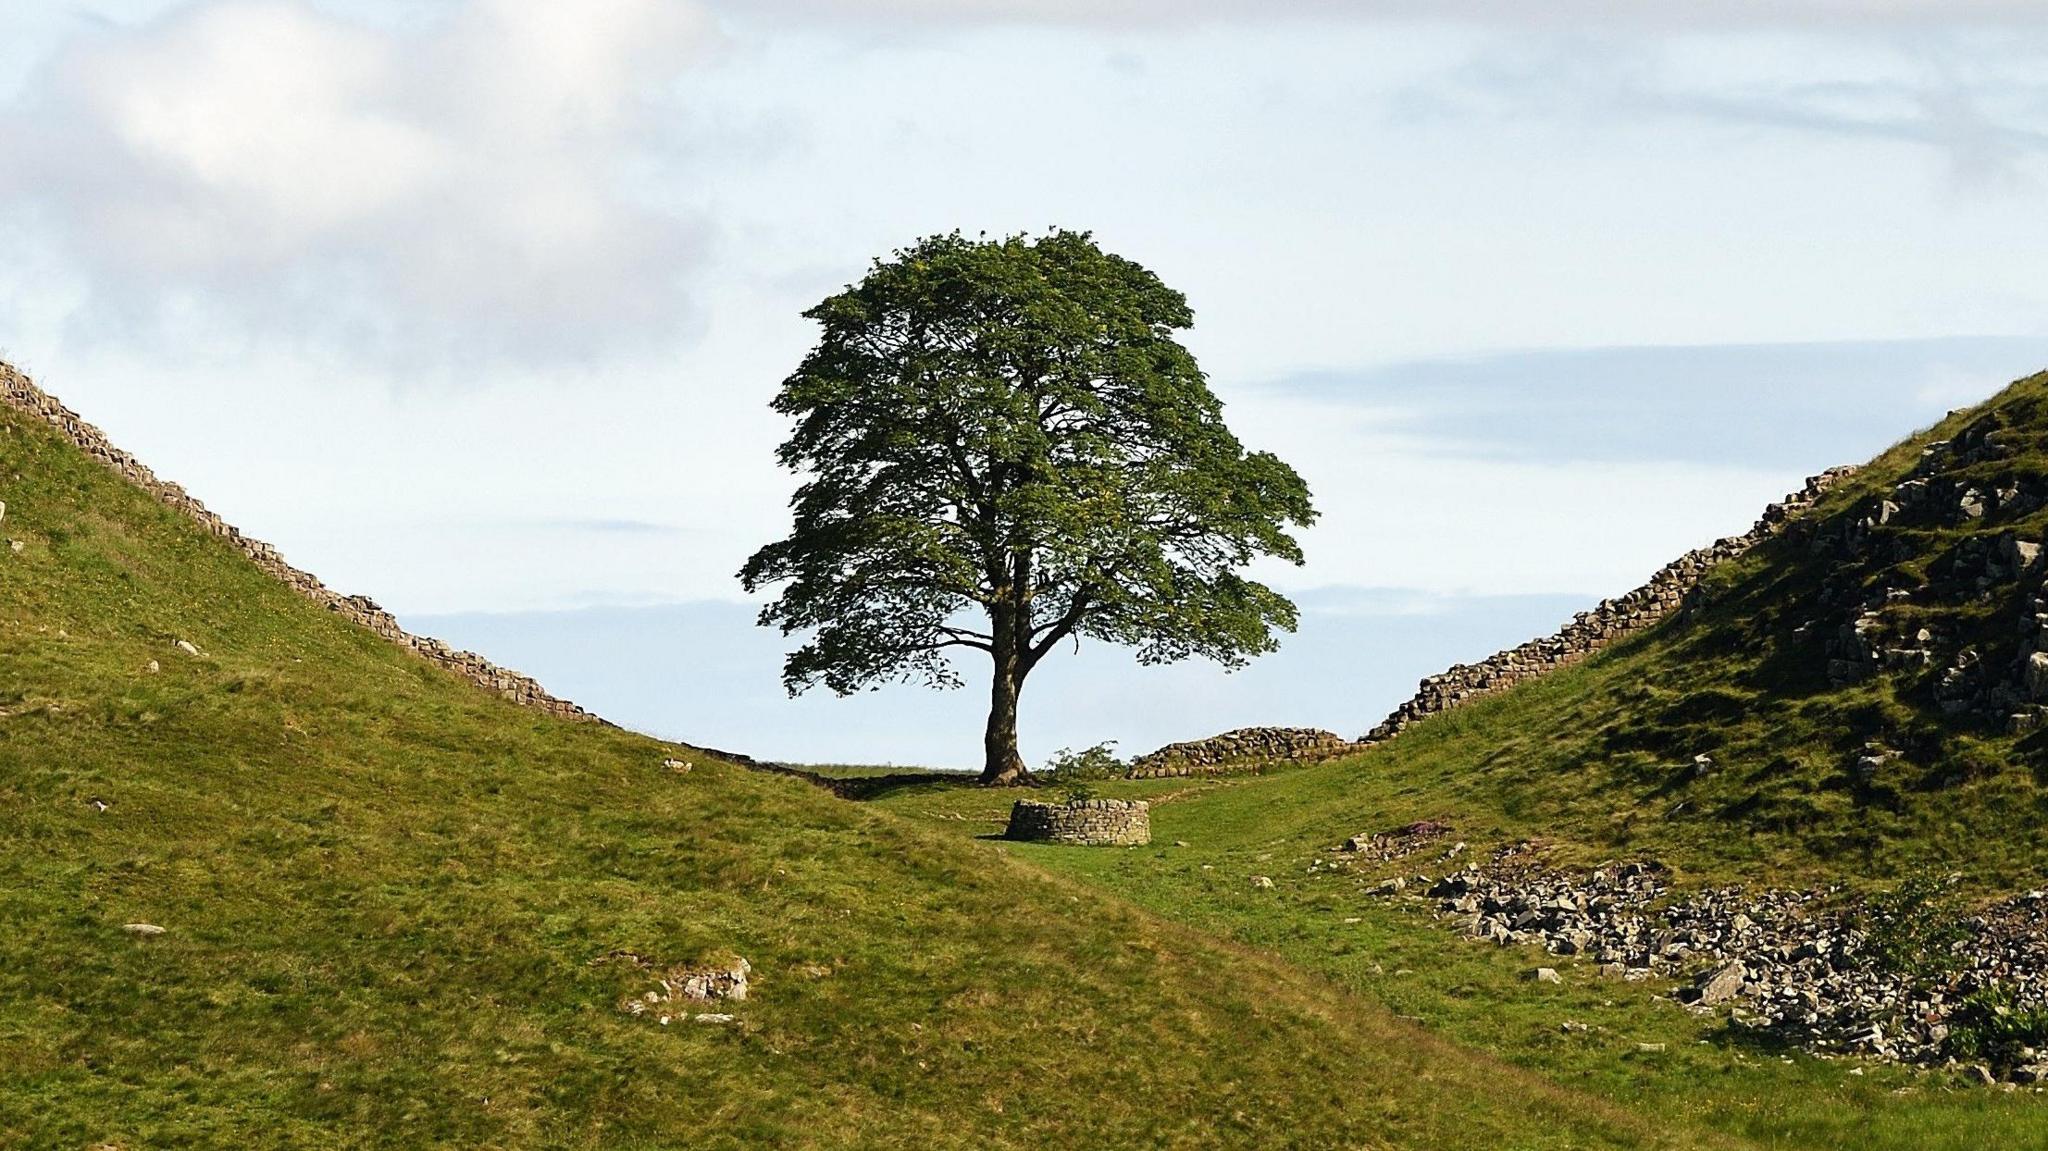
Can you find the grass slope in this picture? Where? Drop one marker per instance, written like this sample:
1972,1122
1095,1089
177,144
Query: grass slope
1597,761
389,898
1600,757
1641,1053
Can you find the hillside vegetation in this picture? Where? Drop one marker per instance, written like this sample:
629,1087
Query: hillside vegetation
1866,689
397,911
1859,685
1863,690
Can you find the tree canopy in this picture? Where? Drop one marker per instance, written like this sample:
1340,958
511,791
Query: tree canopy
1005,448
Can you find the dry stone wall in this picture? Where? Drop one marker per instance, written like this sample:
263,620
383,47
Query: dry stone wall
1591,631
18,391
1083,822
1244,748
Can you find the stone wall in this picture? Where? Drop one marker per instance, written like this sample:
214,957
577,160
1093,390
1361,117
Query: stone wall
1589,632
1246,747
1083,822
17,391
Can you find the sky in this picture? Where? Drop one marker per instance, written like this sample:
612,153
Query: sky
475,306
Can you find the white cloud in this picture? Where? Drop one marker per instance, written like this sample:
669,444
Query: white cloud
269,115
458,193
1719,14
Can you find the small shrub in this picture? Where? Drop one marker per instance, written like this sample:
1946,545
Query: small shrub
1990,1027
1068,766
1916,929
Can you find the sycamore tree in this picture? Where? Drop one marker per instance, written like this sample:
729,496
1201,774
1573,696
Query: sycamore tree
1004,449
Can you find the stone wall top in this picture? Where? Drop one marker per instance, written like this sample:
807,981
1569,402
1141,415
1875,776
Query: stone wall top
18,391
1247,747
1612,620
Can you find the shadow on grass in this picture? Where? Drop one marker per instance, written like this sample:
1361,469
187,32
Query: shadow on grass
871,787
1781,1041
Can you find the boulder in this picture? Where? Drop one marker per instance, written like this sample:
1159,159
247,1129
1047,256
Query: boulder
2037,676
1721,984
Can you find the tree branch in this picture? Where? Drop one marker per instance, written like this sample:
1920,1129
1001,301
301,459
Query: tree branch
1060,628
973,643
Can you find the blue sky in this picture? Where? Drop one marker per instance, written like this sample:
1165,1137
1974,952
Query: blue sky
475,305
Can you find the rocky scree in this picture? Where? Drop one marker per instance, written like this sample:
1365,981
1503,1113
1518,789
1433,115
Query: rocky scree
1940,583
1799,966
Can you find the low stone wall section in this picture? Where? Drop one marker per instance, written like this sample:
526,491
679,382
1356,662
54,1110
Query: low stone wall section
1083,822
18,391
1668,591
1245,748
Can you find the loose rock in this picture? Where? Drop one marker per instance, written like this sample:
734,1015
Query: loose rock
1793,963
1719,985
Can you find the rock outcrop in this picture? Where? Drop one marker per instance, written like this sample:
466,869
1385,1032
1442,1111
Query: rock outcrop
1940,582
678,988
18,391
1244,748
1593,631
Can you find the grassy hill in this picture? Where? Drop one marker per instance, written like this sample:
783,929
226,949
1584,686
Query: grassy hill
398,911
1859,683
1860,687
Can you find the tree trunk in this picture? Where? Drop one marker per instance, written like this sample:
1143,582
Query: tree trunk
1003,765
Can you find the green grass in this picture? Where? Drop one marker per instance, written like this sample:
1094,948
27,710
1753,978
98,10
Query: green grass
1706,1077
1599,757
389,898
1597,762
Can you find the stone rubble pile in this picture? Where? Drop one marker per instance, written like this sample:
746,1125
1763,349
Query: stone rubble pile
18,391
1387,846
1668,591
1245,747
1793,963
678,986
